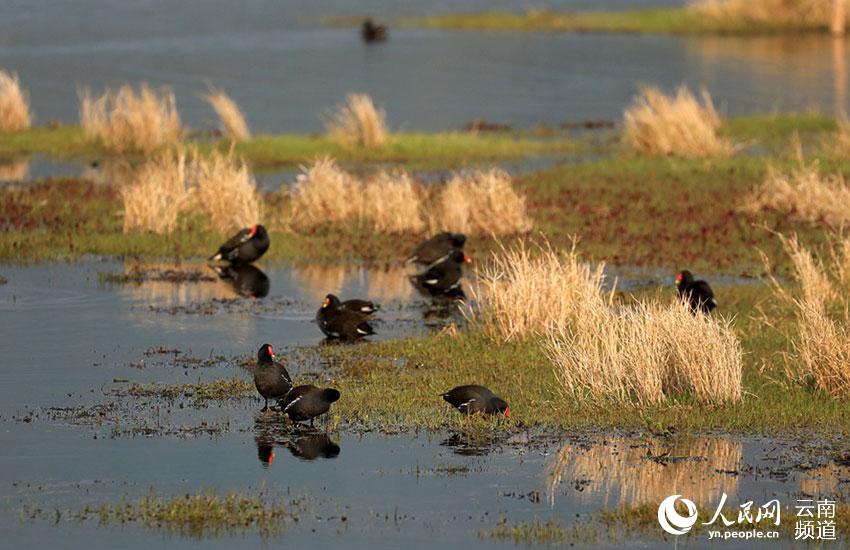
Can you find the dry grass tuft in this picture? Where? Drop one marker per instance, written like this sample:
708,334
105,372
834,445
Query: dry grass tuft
224,188
14,104
647,353
231,120
156,194
771,13
840,145
822,344
127,121
523,292
324,194
805,194
481,201
359,122
658,124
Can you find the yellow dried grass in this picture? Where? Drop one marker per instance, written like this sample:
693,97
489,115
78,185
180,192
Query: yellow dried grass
225,189
658,124
14,104
359,122
156,194
231,120
129,121
760,13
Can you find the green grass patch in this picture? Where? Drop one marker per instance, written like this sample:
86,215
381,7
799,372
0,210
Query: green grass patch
411,374
652,20
219,390
537,531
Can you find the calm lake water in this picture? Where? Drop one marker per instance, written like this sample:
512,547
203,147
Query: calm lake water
70,342
286,70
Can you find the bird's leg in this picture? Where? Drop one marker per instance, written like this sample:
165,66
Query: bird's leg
266,407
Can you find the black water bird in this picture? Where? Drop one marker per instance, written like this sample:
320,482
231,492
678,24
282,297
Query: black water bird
476,399
246,280
245,247
362,306
304,403
343,323
443,278
372,32
437,248
270,377
697,294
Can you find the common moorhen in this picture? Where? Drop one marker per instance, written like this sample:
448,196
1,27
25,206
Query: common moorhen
697,294
270,377
476,399
307,402
443,278
363,306
437,248
371,32
342,323
245,247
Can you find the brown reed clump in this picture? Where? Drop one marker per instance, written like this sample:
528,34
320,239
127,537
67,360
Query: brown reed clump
359,122
225,189
14,171
777,14
822,341
156,194
481,201
805,194
658,124
324,194
128,121
14,104
231,120
525,290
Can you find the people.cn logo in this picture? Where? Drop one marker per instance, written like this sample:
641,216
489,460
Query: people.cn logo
671,520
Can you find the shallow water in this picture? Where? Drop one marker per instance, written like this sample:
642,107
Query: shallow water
71,343
286,71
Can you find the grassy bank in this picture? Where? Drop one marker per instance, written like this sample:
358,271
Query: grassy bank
442,149
411,374
653,20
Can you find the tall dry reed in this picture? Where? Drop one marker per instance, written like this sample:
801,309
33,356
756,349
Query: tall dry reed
231,120
658,124
739,14
225,189
14,104
481,201
805,194
822,340
324,194
156,194
129,121
359,122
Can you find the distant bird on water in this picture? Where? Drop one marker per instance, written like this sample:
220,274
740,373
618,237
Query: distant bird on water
697,294
476,399
245,247
372,32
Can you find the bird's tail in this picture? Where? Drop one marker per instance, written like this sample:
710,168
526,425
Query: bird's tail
215,257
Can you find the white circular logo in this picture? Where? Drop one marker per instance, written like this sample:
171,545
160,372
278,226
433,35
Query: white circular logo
673,522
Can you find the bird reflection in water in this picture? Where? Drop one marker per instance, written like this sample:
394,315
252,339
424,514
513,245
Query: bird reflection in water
469,444
247,281
302,443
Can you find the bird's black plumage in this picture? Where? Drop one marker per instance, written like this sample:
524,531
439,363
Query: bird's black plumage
246,280
696,293
372,32
245,247
270,377
342,323
475,399
307,402
362,306
443,278
437,248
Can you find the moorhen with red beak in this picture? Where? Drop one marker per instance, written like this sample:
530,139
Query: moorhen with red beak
476,399
343,323
270,377
304,403
437,248
443,278
245,247
697,294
